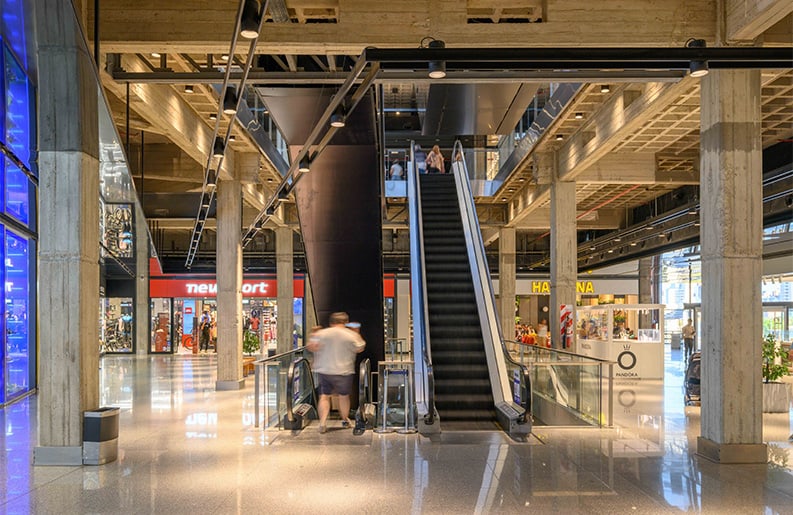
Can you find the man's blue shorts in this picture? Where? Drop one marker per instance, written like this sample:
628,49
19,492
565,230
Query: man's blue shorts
334,384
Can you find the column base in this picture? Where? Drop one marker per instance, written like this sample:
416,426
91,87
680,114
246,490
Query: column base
58,456
729,453
239,384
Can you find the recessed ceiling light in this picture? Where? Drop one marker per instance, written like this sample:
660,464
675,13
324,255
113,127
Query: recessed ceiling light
696,224
188,88
559,137
592,247
633,244
156,55
578,116
611,251
224,57
618,239
232,137
521,179
511,189
605,88
213,116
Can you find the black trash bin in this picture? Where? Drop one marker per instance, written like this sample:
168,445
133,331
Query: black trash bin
100,436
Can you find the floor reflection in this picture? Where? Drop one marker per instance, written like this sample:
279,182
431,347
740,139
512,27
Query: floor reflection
184,447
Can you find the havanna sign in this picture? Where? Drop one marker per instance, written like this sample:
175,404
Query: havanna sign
545,287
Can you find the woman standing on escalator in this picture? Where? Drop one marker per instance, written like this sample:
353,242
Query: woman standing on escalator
435,161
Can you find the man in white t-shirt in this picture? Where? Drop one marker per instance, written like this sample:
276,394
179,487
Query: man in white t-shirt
334,351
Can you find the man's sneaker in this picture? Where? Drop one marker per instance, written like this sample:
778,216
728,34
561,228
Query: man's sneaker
345,424
323,430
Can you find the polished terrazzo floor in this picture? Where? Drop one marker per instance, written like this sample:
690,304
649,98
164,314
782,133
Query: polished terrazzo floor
185,448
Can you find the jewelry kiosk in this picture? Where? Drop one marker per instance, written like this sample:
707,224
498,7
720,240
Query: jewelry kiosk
629,334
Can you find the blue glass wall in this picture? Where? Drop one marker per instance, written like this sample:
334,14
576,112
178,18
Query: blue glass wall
18,181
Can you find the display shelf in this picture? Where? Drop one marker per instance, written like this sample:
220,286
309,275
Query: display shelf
629,334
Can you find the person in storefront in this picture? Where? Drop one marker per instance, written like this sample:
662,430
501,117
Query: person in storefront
542,333
334,351
688,338
204,331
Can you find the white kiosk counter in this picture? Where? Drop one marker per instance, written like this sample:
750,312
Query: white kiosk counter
630,334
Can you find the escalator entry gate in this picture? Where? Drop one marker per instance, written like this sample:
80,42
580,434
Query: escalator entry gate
396,398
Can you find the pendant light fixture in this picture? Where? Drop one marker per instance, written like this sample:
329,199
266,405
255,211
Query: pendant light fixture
249,26
230,101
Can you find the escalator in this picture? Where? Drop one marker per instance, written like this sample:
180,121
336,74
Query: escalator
462,383
464,375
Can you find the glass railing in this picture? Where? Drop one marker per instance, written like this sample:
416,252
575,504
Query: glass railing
270,387
568,388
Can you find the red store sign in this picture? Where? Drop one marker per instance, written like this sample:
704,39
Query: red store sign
204,288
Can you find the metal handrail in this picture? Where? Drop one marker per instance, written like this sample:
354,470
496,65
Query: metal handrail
423,312
257,366
526,379
290,381
559,351
364,370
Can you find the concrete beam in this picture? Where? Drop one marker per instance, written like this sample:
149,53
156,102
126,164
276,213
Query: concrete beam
205,26
748,19
161,106
631,167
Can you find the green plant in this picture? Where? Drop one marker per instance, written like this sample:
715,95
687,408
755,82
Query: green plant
619,317
771,353
250,342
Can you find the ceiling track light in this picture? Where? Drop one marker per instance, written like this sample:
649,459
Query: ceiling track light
249,25
692,210
436,68
205,200
698,67
305,166
212,179
339,117
218,148
230,101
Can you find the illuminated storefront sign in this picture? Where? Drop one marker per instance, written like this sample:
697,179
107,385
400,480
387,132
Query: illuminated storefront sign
202,288
545,287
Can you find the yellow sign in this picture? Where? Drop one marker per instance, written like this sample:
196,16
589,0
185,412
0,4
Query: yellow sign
545,287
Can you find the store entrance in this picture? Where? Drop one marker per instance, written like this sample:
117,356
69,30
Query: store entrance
195,325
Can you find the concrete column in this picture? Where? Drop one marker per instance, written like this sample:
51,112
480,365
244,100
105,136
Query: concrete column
286,288
142,315
646,281
68,249
308,308
564,258
506,281
229,277
731,239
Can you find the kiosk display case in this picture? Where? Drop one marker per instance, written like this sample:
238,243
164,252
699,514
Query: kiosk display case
629,334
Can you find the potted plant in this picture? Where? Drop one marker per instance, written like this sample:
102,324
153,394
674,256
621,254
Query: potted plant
250,342
776,398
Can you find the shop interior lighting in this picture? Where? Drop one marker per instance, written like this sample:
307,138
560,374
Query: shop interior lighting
230,101
249,26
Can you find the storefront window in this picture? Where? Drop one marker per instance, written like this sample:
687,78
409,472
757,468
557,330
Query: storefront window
117,325
117,231
17,281
160,325
17,109
16,196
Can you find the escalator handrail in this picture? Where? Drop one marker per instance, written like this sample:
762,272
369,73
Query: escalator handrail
279,356
364,369
526,379
525,403
290,381
414,192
